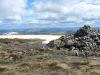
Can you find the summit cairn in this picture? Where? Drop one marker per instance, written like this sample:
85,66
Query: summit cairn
86,40
85,31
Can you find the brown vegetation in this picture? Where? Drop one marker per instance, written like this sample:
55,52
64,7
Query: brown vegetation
20,57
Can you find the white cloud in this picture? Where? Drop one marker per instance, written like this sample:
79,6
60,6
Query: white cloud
50,11
11,8
15,17
0,22
87,11
93,1
50,8
71,19
30,21
67,10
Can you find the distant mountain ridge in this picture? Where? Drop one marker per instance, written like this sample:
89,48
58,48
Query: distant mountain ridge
42,30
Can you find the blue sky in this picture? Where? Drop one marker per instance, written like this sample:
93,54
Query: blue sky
49,13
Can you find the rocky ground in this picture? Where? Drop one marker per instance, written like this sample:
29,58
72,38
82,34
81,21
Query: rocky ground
31,57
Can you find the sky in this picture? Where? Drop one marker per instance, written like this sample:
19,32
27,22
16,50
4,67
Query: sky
49,13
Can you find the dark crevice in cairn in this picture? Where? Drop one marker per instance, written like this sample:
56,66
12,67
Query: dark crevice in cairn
86,41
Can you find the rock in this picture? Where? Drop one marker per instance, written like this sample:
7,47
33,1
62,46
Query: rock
69,43
51,44
98,42
3,54
86,39
84,31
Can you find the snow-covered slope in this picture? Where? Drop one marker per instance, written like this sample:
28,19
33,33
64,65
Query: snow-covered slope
11,33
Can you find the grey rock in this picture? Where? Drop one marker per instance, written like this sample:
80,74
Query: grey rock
84,42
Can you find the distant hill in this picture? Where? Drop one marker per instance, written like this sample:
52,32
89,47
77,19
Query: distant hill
42,30
50,30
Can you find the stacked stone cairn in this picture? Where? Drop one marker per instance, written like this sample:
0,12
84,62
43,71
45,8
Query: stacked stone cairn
86,41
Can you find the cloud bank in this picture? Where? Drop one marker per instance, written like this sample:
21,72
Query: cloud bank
50,11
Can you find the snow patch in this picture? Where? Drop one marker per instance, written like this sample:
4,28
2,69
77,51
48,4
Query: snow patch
47,38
